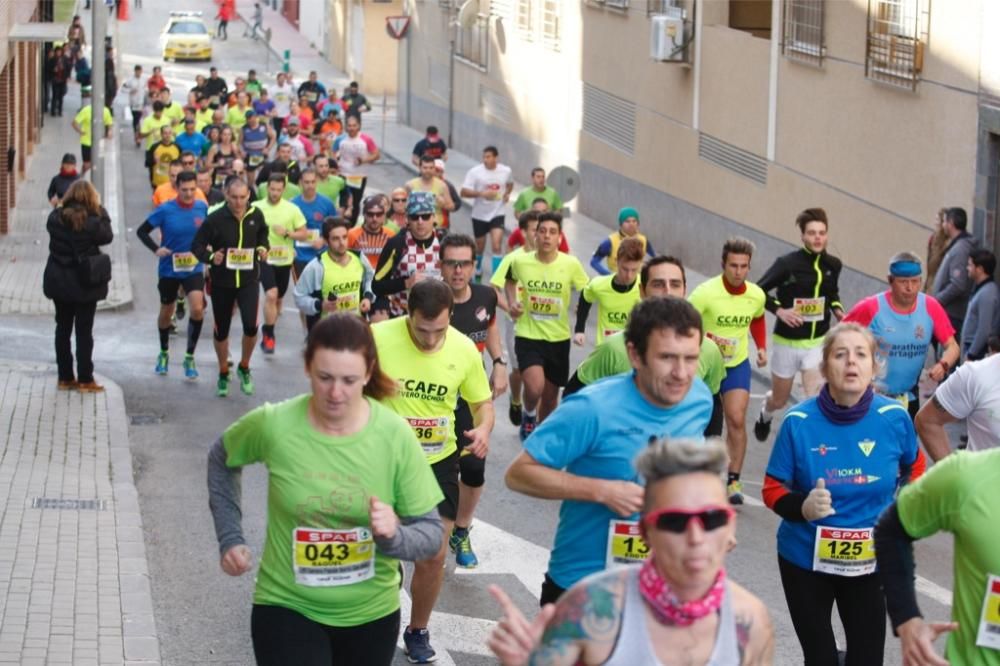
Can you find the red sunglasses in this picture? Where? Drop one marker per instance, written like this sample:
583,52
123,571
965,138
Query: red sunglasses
676,520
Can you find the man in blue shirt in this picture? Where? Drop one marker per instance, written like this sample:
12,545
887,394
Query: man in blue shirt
583,452
178,221
315,208
190,141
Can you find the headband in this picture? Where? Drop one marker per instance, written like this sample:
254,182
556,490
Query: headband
905,269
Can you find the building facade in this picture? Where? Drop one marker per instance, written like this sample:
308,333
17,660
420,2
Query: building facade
718,117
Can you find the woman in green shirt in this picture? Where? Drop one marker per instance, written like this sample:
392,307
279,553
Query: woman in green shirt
349,494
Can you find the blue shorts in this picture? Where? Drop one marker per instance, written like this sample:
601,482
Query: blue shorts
737,377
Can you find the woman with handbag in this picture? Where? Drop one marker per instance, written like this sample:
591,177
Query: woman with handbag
76,278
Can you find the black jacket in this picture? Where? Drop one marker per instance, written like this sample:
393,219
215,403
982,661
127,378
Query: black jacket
293,172
61,182
220,231
802,274
61,280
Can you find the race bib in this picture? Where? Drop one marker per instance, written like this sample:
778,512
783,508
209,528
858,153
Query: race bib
727,346
311,97
810,309
310,239
355,181
280,255
239,258
989,623
254,161
431,433
844,552
329,558
625,544
608,332
347,303
184,262
544,307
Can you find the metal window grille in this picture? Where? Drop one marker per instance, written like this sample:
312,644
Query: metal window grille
473,43
502,8
617,4
526,19
802,36
895,44
550,24
654,7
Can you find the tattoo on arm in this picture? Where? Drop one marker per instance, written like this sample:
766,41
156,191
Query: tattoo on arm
587,614
744,623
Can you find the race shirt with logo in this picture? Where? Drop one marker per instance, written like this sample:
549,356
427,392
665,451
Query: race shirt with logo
344,282
319,557
370,245
861,464
163,155
546,292
254,141
284,214
352,150
958,495
727,317
474,316
315,212
150,126
283,96
178,225
83,118
613,306
428,384
597,433
493,181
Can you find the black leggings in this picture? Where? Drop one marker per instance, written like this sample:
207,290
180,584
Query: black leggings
282,636
81,317
860,604
223,299
714,427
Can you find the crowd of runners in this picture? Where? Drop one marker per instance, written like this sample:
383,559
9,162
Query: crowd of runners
262,189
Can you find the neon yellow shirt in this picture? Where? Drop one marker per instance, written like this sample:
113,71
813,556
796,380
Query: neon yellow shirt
344,281
237,117
611,358
726,317
83,120
202,118
613,307
175,112
151,125
429,383
287,215
437,188
546,294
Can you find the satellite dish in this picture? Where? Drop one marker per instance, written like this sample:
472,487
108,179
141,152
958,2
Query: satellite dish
565,181
467,13
501,35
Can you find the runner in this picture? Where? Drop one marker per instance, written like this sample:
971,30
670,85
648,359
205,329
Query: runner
339,280
583,454
213,195
432,363
286,225
677,603
538,190
81,123
456,200
806,296
628,227
615,295
178,221
136,89
302,147
232,242
547,277
168,190
490,184
408,257
432,144
901,319
355,153
430,183
312,90
279,169
315,208
192,141
957,495
863,447
330,185
282,162
171,109
474,315
328,586
396,217
256,141
216,88
222,155
283,94
731,307
370,237
160,156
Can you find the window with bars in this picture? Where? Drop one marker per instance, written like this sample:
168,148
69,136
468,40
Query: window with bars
473,42
526,19
895,44
802,31
550,24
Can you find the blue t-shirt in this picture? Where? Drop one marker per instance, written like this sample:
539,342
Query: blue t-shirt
860,462
177,226
597,433
903,340
263,108
196,143
315,212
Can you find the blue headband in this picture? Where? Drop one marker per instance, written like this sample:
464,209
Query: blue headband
905,269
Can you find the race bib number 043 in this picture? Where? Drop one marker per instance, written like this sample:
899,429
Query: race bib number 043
844,552
625,544
989,624
328,558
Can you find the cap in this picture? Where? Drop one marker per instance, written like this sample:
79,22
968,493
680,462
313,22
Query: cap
250,112
420,203
69,158
439,164
374,201
626,213
294,120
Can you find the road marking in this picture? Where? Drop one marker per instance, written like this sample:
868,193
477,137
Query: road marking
934,591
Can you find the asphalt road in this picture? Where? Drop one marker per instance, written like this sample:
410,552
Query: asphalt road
202,615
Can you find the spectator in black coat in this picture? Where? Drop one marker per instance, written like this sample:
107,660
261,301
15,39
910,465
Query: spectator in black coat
61,181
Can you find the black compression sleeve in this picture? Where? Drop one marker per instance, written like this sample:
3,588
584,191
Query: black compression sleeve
789,507
143,232
894,551
582,312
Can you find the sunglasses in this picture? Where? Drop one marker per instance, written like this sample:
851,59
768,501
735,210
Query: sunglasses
422,216
676,520
375,213
399,200
456,263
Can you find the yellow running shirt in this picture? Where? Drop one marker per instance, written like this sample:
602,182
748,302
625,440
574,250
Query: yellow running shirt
726,317
344,281
546,293
428,384
613,307
285,214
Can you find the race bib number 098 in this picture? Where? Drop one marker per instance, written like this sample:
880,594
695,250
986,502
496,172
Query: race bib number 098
239,259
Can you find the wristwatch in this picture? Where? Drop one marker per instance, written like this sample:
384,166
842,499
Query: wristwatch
499,360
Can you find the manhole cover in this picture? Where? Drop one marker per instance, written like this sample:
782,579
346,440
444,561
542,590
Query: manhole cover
69,504
144,419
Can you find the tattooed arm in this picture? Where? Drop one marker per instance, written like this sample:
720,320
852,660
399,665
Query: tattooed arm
754,631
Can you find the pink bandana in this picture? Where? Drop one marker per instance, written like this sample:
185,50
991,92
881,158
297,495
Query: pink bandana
665,605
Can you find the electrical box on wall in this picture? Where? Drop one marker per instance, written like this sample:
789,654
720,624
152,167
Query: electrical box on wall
667,42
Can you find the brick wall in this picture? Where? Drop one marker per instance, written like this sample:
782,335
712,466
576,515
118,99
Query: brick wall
20,79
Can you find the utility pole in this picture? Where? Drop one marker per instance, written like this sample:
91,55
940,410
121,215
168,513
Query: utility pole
98,33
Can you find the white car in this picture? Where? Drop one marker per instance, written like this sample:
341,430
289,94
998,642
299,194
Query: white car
186,37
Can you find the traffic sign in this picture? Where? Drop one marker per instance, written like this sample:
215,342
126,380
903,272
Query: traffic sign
396,26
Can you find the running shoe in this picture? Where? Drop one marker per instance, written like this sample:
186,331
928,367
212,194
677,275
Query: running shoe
161,363
267,344
246,379
222,386
417,646
514,414
761,428
735,492
89,387
527,426
181,311
190,370
461,545
66,384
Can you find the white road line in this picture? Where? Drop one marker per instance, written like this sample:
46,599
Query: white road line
934,591
509,554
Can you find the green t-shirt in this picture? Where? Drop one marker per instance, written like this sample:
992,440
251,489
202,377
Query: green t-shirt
318,484
331,188
236,117
151,125
291,191
546,293
82,119
429,383
958,495
175,112
726,317
613,307
611,358
524,199
287,215
202,118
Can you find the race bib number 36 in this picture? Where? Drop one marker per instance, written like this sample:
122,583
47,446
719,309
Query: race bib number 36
844,552
184,262
239,259
625,544
328,558
989,625
431,433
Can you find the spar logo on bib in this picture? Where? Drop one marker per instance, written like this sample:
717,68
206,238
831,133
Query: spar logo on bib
420,390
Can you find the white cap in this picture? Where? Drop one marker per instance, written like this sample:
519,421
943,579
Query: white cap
439,164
